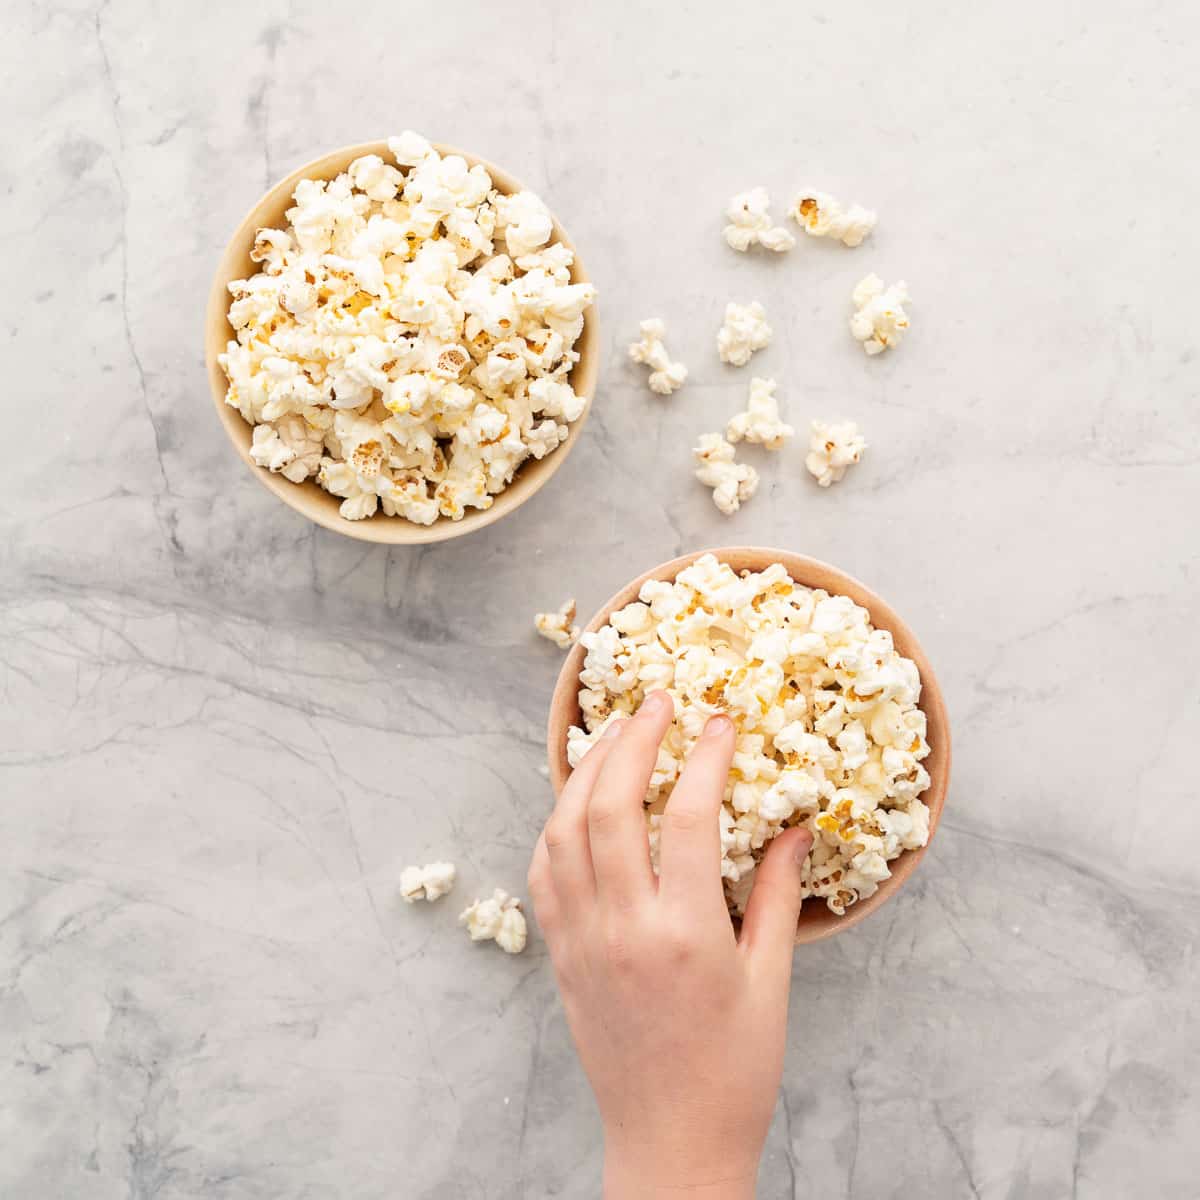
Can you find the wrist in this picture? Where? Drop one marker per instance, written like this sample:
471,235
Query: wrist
646,1176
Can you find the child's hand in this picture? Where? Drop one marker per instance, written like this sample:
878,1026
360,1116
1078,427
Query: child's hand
679,1024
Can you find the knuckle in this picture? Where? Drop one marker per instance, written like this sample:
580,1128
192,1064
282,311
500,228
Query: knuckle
557,834
680,945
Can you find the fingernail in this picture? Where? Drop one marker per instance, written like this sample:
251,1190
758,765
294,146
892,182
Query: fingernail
654,704
803,846
718,726
614,729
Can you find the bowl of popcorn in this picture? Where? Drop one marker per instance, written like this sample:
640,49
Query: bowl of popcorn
401,341
841,726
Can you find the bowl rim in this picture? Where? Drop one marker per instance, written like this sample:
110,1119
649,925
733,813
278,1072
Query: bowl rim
308,498
816,923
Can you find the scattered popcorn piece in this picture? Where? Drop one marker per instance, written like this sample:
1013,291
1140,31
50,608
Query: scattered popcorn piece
559,626
732,482
750,223
499,919
665,375
430,882
760,423
830,735
879,320
831,449
743,331
392,348
820,215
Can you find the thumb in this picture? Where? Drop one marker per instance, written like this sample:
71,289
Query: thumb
769,927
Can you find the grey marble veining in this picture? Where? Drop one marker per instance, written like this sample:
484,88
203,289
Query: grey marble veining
223,732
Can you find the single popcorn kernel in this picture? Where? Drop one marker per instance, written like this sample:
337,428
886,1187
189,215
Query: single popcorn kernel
781,661
559,626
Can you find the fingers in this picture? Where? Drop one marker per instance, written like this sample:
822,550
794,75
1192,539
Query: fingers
769,928
689,857
540,884
566,833
616,822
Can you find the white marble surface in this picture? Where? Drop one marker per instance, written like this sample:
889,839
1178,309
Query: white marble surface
223,732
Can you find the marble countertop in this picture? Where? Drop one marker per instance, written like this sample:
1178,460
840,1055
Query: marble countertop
224,731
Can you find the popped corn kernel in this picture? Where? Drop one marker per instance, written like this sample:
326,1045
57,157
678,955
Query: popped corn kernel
820,215
879,319
743,331
498,918
732,482
430,882
559,626
750,223
832,448
760,422
665,375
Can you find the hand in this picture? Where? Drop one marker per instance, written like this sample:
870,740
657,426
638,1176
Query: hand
679,1023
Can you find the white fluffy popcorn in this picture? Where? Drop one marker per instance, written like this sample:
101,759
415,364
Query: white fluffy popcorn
430,882
743,331
559,627
761,422
829,731
498,918
665,375
732,482
831,449
879,319
409,340
750,223
821,215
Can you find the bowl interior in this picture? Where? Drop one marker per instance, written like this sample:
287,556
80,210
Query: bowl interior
816,921
309,497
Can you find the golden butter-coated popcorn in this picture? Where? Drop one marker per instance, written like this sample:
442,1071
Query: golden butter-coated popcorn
743,331
665,375
410,337
829,732
761,422
821,215
832,448
879,319
559,627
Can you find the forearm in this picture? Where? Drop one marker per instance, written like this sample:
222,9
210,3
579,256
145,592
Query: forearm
626,1179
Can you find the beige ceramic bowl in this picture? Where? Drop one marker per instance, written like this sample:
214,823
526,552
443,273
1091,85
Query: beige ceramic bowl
309,498
816,921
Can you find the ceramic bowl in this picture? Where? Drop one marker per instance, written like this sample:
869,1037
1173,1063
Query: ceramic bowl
309,498
816,921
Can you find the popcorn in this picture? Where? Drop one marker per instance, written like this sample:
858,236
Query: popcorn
760,422
829,732
732,482
430,882
665,375
498,918
879,319
558,626
743,331
389,349
750,223
820,215
831,449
